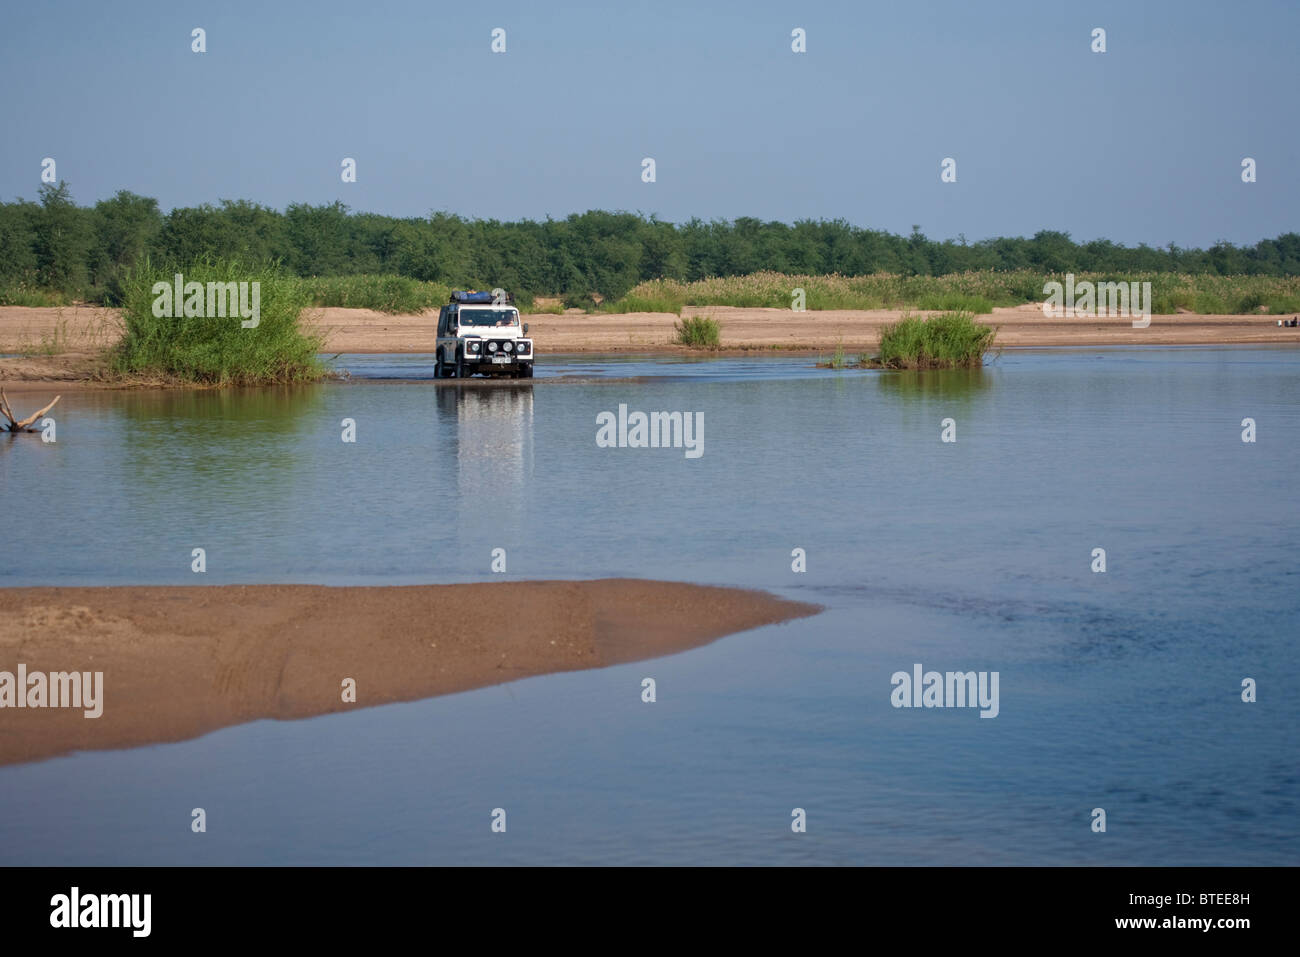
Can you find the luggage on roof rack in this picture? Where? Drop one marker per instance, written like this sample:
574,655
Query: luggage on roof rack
477,297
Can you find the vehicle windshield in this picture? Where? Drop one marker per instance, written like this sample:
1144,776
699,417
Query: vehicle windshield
489,317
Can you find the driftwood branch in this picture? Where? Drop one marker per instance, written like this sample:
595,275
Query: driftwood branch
16,425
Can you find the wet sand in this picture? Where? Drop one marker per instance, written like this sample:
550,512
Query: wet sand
178,662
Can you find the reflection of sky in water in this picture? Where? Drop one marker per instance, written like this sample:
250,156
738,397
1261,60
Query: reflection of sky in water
1118,691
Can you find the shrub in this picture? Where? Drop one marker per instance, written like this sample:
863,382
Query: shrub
211,349
699,332
948,341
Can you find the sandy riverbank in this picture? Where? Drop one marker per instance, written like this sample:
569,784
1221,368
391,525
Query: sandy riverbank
61,344
179,662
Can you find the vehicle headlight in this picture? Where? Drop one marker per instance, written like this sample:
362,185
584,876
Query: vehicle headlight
522,348
473,347
509,347
492,347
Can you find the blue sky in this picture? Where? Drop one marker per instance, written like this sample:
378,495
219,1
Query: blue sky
1140,144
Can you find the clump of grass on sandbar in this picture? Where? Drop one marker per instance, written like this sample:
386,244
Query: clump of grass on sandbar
206,347
953,340
699,332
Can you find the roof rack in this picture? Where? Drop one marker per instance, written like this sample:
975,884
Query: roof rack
477,298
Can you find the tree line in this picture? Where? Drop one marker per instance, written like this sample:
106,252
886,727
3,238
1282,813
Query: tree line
51,243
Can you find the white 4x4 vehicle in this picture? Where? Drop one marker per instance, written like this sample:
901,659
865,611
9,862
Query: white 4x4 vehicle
479,332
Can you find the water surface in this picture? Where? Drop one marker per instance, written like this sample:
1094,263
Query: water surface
1118,690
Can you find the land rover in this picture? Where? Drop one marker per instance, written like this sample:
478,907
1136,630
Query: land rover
480,333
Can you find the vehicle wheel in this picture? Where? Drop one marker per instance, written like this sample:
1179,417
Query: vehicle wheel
527,371
462,372
440,370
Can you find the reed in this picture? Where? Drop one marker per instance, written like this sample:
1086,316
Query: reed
213,349
952,340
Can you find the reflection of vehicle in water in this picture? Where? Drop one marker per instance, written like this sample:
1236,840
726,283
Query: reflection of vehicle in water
480,333
493,448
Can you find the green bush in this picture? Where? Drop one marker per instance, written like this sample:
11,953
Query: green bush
1210,304
1249,301
699,332
212,349
1169,302
579,300
948,341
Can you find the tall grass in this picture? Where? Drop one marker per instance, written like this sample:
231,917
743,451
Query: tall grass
542,306
52,343
975,292
699,332
643,303
948,341
384,293
22,294
217,350
954,302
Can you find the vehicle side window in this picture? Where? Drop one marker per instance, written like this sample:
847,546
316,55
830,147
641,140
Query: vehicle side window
442,321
